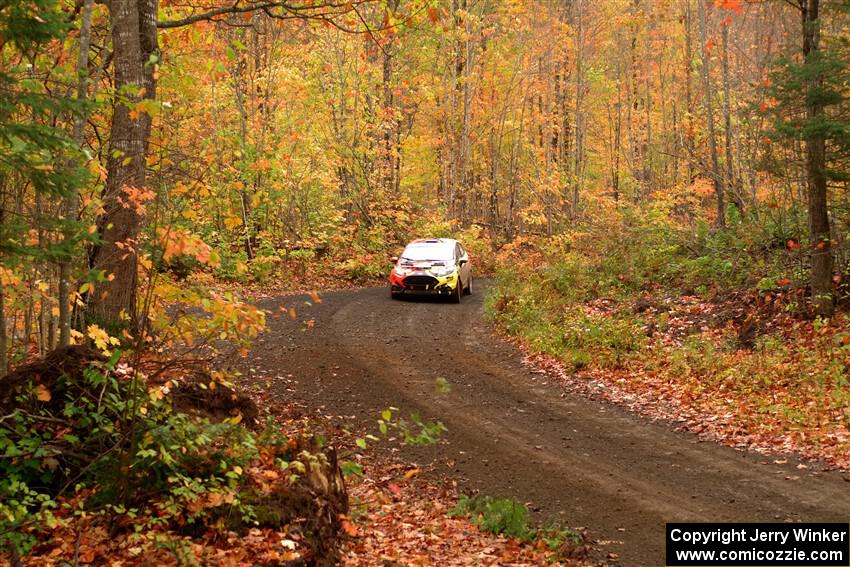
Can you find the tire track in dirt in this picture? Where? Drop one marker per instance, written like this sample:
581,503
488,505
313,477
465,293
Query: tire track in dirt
515,432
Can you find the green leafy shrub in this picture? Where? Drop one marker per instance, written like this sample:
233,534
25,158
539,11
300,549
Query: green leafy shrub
550,321
479,246
262,268
502,516
413,432
92,428
568,276
233,266
366,268
607,339
508,517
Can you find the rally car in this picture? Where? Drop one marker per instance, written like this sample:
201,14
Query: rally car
432,266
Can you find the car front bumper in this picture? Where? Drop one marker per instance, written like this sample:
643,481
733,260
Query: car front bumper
419,283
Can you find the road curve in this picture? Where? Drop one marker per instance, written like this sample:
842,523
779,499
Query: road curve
514,432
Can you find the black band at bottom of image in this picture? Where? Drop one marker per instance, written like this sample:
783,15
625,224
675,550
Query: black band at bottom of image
758,545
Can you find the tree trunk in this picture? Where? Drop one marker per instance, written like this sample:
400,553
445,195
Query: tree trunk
615,128
41,316
391,122
689,119
821,239
71,198
4,347
388,115
133,43
493,208
633,104
709,111
578,117
731,185
240,80
465,169
4,341
648,174
566,127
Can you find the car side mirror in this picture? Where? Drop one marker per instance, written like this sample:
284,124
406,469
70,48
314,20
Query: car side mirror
394,259
462,261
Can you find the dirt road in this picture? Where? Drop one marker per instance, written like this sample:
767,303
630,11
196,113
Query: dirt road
514,432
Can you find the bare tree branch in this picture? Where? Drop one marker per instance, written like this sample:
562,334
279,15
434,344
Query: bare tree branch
320,11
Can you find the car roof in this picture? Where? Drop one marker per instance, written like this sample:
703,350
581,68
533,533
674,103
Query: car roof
435,241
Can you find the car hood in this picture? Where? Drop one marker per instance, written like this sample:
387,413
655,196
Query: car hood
424,265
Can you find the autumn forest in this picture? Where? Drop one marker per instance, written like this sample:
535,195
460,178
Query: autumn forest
655,190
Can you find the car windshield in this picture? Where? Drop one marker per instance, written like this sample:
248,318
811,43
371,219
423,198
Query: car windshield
434,252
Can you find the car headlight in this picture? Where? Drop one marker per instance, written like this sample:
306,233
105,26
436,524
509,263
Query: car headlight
402,271
441,271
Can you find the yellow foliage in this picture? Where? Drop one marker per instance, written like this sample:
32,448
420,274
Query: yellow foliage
179,242
232,222
8,277
101,338
42,393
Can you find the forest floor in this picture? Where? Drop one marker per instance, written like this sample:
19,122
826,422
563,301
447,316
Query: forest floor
513,430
